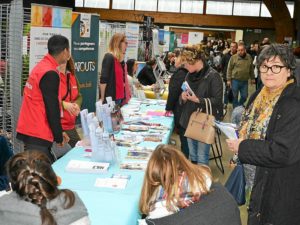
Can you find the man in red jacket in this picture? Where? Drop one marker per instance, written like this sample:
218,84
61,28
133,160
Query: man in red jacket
39,120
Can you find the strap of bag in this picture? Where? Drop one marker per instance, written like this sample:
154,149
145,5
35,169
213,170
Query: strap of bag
210,107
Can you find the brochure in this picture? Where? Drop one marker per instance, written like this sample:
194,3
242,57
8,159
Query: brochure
133,166
116,183
138,155
229,129
186,87
86,166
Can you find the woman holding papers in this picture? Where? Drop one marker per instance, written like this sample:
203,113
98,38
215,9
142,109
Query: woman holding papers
203,82
35,198
269,143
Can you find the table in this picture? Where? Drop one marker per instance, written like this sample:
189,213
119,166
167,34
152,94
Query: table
105,205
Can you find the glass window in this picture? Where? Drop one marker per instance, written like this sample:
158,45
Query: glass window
246,8
264,11
219,7
290,6
79,3
169,5
96,3
192,6
146,5
121,4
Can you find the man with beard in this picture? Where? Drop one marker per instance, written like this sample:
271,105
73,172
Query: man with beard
239,71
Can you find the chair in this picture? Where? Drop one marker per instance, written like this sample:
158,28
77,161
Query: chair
217,151
216,208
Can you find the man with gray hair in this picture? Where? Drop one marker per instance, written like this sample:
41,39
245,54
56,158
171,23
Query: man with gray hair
239,71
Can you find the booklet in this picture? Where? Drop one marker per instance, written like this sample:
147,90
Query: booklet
138,155
86,166
229,129
113,182
133,166
186,87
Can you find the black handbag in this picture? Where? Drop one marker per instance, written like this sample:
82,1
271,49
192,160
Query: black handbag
236,184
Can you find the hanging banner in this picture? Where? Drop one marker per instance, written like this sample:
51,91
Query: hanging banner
85,55
132,35
45,22
195,38
155,47
166,41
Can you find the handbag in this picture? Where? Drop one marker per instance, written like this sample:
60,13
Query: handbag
236,184
201,126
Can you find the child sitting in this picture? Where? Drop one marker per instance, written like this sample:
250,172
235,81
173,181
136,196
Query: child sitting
171,183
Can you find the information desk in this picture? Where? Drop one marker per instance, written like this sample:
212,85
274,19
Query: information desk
109,206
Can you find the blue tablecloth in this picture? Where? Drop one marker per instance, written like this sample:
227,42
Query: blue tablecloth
105,205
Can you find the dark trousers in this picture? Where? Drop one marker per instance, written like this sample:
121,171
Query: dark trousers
74,137
42,148
184,143
241,87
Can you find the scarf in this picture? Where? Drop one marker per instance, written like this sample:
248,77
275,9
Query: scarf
255,122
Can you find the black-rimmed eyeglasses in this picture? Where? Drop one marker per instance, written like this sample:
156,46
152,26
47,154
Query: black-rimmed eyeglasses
275,68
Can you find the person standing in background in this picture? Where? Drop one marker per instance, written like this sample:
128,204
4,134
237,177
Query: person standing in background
224,65
173,100
240,70
113,77
39,120
71,100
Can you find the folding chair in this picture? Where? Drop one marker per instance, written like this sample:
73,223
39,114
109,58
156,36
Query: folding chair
217,151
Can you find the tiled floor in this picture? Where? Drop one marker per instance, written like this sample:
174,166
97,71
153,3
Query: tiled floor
217,175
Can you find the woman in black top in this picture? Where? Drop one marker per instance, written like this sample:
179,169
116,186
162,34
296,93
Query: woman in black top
146,75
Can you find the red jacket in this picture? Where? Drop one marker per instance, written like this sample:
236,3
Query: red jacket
68,120
33,119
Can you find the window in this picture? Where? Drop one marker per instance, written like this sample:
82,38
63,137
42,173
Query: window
264,11
169,5
290,6
96,3
219,7
121,4
246,8
79,3
192,6
146,5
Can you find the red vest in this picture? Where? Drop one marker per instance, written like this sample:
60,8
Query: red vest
68,120
33,119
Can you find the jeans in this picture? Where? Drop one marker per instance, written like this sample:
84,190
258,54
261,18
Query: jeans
199,151
242,87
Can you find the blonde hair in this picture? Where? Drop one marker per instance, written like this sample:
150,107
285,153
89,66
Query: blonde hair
115,45
164,169
193,53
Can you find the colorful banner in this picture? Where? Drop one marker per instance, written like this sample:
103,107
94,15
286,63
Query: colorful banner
166,41
132,35
85,55
45,22
161,34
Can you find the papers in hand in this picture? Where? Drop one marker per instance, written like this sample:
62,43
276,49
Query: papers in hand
229,129
186,87
87,167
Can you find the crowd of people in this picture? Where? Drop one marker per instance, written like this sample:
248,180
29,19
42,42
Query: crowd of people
268,143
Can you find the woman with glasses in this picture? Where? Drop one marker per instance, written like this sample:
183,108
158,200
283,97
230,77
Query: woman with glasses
113,80
204,82
269,141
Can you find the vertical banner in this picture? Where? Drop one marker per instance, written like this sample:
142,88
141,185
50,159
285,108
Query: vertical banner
166,41
85,43
172,41
155,48
195,37
45,22
132,34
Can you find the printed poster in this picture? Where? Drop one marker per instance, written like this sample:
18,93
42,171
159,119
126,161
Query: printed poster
85,54
132,34
184,38
195,37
